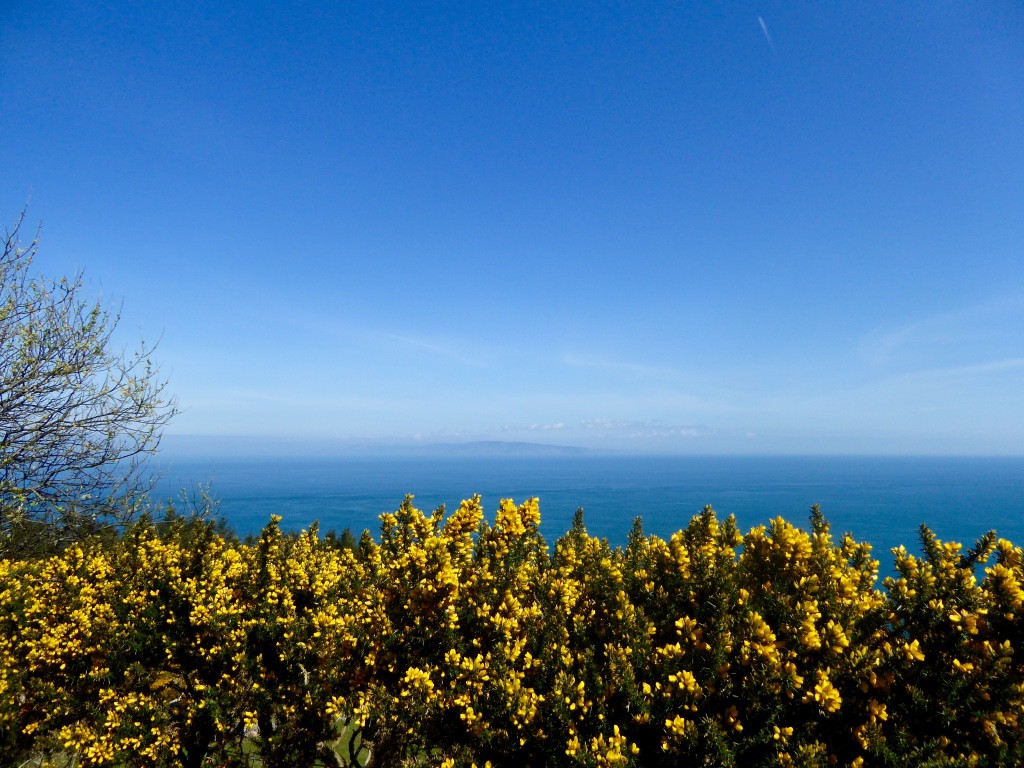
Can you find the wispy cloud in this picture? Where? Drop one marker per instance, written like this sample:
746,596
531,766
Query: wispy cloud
961,371
456,350
957,333
554,426
241,398
883,344
606,431
558,425
645,429
604,424
444,350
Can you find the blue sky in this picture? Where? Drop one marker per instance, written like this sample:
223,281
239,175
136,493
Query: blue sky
740,227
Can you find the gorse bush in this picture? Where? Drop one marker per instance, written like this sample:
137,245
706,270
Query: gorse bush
455,641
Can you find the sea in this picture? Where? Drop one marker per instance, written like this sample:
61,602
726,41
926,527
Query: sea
881,500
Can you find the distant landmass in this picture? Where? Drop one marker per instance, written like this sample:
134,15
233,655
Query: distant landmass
500,448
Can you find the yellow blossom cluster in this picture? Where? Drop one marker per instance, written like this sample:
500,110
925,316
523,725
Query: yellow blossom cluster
453,641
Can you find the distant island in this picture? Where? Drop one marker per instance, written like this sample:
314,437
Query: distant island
499,448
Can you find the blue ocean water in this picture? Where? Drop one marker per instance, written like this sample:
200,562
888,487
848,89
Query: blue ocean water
882,500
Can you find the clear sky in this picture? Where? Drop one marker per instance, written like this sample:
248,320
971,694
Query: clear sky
700,228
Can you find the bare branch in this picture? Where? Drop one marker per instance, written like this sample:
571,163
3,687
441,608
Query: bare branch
76,417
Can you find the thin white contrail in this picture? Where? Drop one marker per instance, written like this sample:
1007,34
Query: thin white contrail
767,34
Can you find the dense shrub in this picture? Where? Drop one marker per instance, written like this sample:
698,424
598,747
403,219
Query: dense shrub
454,641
